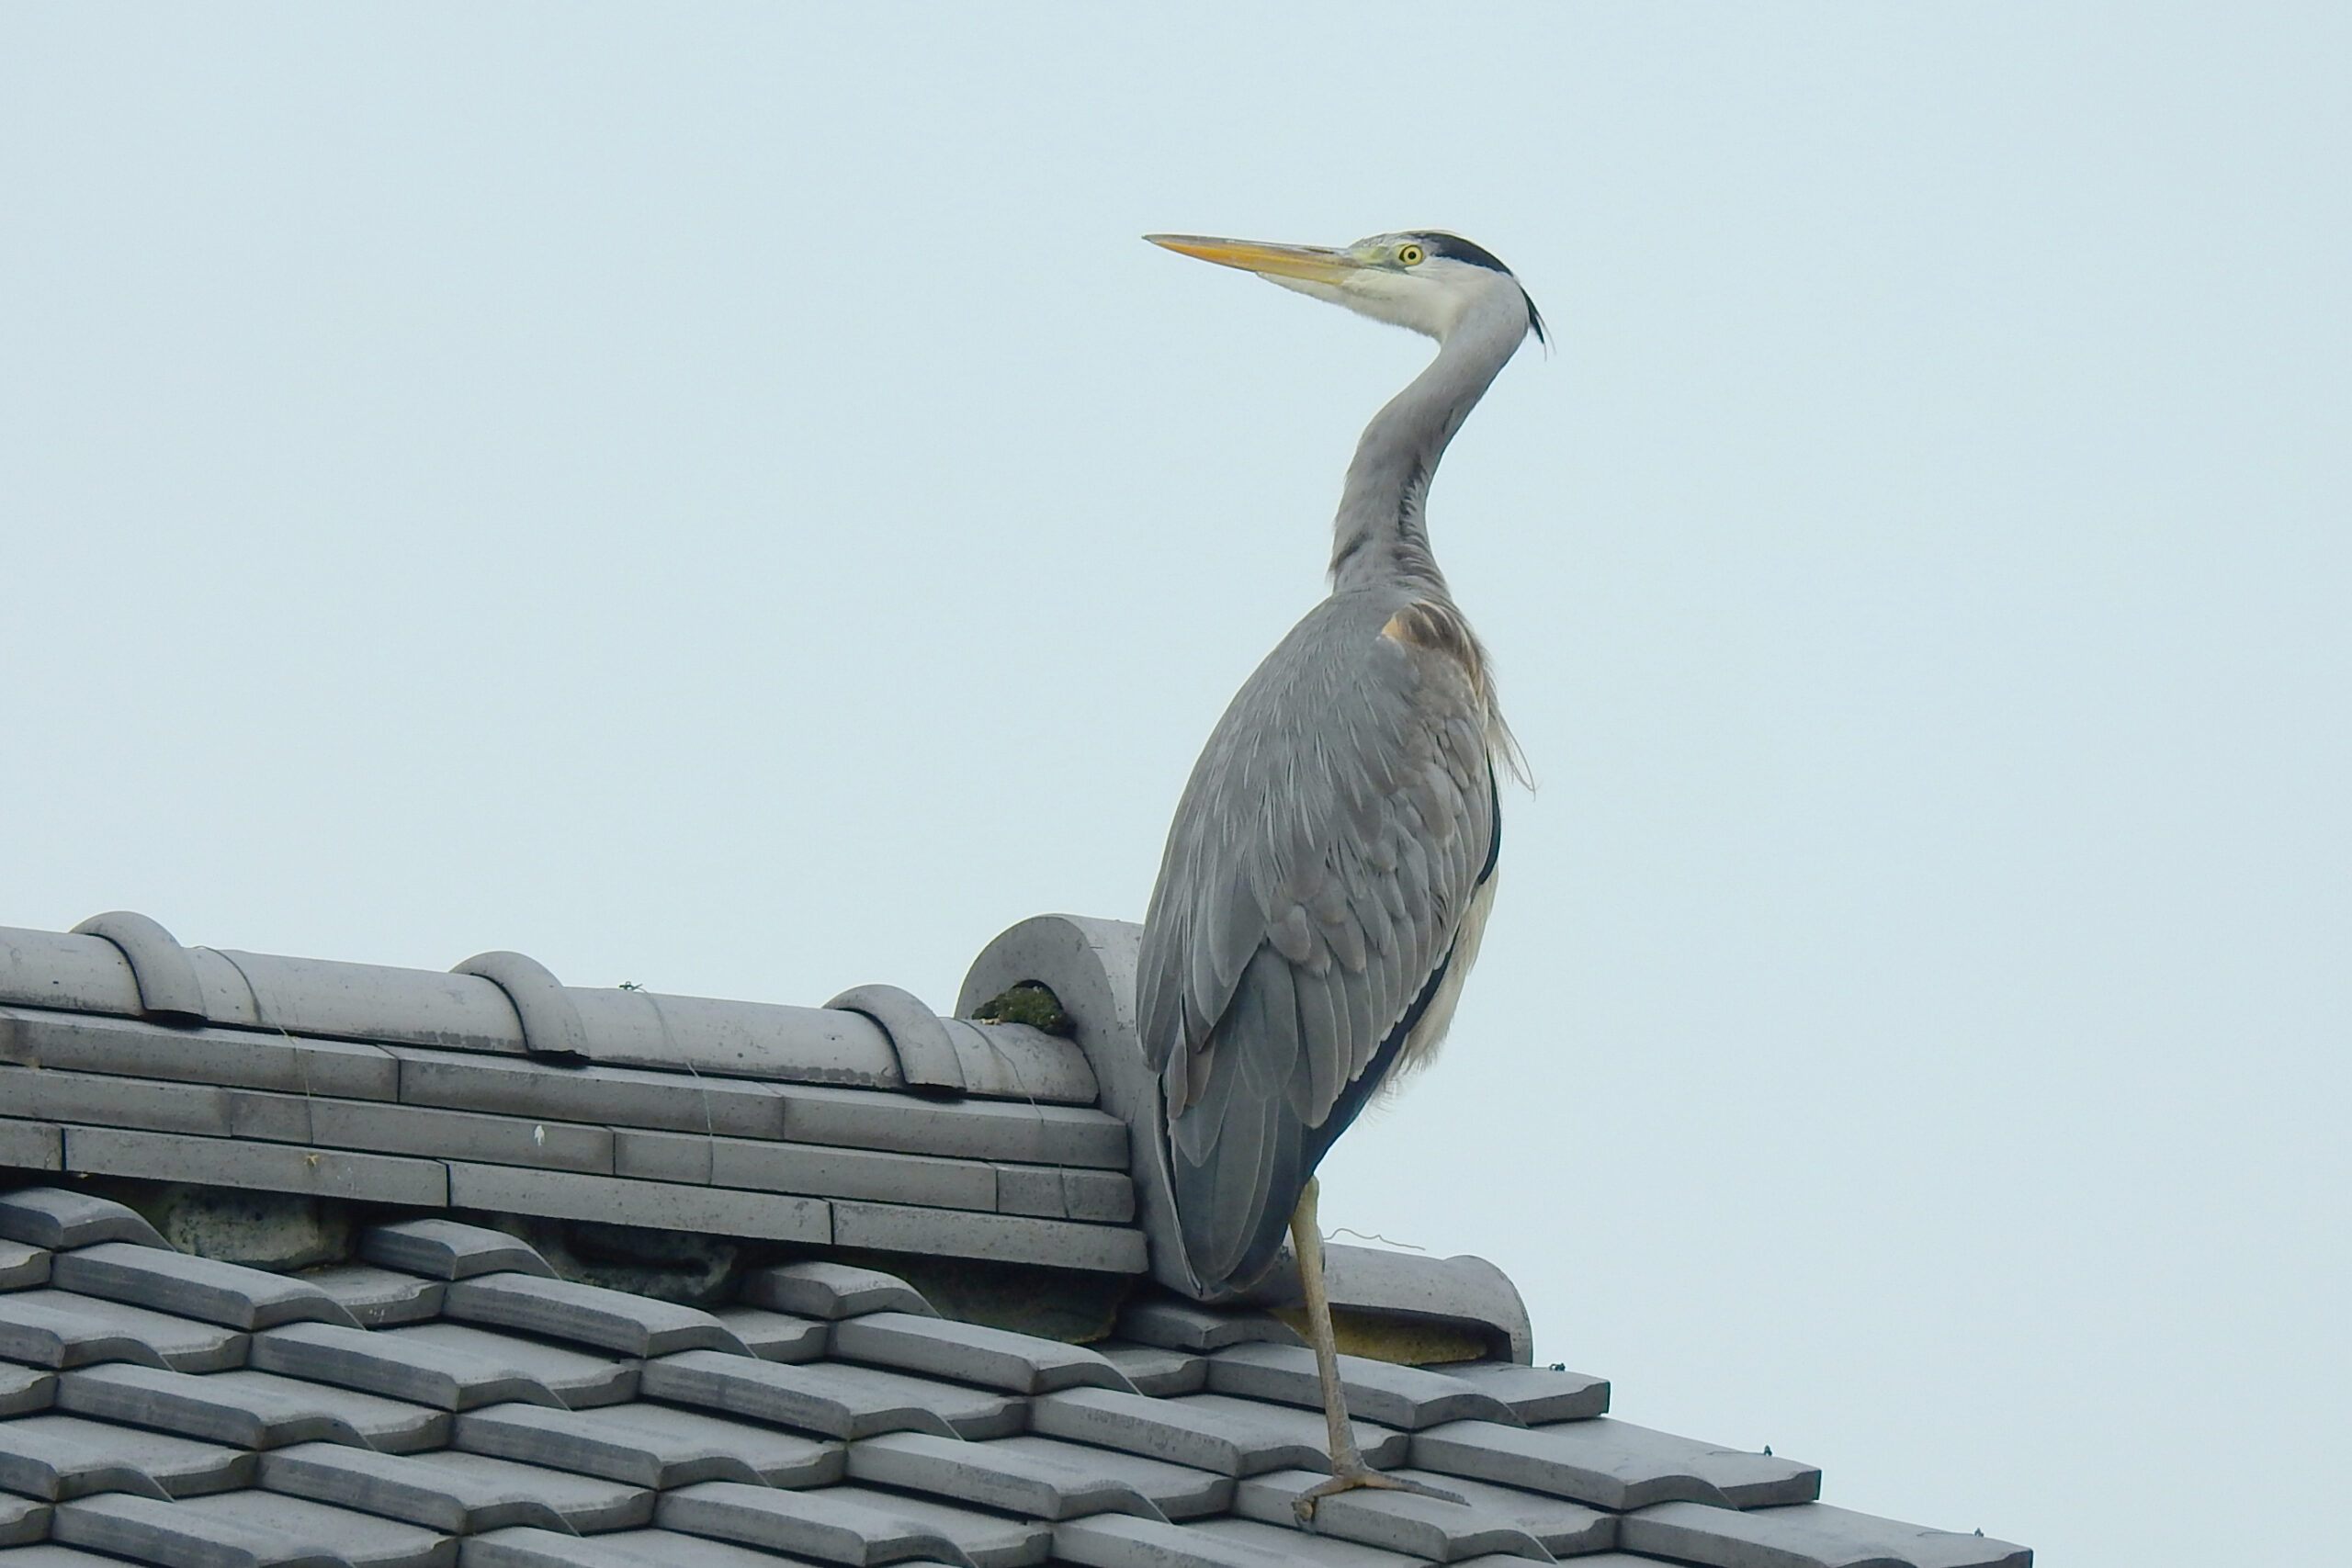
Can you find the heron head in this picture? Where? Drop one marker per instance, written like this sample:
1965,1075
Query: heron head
1426,280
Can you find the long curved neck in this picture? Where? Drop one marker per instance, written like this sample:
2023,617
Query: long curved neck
1380,537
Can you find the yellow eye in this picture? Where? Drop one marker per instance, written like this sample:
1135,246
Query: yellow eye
1411,255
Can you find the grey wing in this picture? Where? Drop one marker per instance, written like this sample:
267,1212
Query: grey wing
1326,854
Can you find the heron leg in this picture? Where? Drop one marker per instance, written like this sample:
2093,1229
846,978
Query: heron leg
1349,1470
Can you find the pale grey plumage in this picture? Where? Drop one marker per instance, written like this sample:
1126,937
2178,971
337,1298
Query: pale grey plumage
1325,879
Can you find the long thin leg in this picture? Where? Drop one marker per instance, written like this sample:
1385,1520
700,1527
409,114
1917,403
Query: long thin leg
1348,1469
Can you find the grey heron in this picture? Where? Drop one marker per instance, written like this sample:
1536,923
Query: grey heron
1332,860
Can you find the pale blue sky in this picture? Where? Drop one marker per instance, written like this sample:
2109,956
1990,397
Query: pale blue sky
719,497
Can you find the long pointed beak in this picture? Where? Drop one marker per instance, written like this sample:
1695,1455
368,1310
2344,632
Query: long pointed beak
1311,262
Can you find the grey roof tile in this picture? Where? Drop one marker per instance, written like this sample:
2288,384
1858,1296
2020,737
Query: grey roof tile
1536,1394
272,1168
579,1380
24,1390
458,1494
528,1548
1425,1528
446,1249
1048,1486
587,1315
831,1291
1178,1491
24,1522
1811,1535
1383,1448
1004,1238
417,1370
1406,1397
544,1143
987,1540
1181,1326
1225,1436
1321,1550
187,1286
233,1058
818,1169
362,1540
22,1266
49,1465
970,1352
824,1525
967,1129
248,1410
654,1205
379,1298
618,1097
181,1466
1565,1528
1154,1370
1058,1193
1612,1464
55,1217
173,1535
776,1336
57,1329
1463,1290
832,1400
650,1445
28,1146
49,1094
403,1488
1117,1541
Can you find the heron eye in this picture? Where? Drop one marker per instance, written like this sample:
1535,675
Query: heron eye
1410,254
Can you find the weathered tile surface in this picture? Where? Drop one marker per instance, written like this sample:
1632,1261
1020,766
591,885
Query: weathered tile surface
831,1291
1536,1394
446,1249
1427,1528
968,1352
657,1446
183,1467
586,1314
1038,1486
1405,1397
46,1327
1612,1464
1810,1535
575,1377
421,1372
828,1399
186,1286
58,1217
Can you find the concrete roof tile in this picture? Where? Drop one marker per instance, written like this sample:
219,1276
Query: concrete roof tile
824,1525
831,1400
1058,1193
1565,1528
1405,1397
970,1352
29,1146
446,1249
579,1380
1178,1491
831,1291
181,1466
1383,1448
1181,1326
544,1143
25,1390
1537,1394
232,1058
270,1168
417,1370
248,1410
650,1445
1225,1437
776,1336
1003,1238
24,1522
587,1315
410,1489
1154,1370
58,1328
652,1205
361,1541
379,1298
1612,1464
828,1171
987,1540
1425,1528
55,1217
523,1547
1117,1541
1302,1547
22,1266
967,1129
186,1286
618,1097
1809,1535
171,1534
1050,1485
586,1503
50,1465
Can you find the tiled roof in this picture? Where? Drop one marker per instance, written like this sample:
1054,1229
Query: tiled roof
451,1402
441,1393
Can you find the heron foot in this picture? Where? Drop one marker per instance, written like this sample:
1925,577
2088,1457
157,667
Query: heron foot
1352,1478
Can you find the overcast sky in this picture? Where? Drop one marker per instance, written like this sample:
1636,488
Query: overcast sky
719,497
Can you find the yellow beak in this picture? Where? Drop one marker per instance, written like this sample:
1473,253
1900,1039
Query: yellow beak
1311,262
